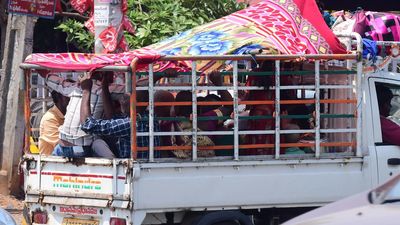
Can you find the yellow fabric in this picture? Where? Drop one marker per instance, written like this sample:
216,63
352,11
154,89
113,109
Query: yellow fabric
49,134
33,148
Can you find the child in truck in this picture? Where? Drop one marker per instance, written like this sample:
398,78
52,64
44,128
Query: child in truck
292,139
203,125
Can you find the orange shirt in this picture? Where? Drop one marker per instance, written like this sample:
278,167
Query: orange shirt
49,134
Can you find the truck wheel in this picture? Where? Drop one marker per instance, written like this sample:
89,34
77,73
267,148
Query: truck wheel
227,223
222,218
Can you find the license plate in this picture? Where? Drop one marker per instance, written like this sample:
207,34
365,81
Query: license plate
73,221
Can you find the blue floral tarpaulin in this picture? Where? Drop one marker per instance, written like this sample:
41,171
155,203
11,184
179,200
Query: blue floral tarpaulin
277,26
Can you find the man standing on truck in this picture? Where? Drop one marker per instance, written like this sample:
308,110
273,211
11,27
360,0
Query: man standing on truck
390,130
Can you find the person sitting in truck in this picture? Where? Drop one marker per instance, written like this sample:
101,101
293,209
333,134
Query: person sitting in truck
390,129
106,146
260,110
50,123
292,139
165,111
120,127
266,110
73,141
103,144
290,123
203,125
207,108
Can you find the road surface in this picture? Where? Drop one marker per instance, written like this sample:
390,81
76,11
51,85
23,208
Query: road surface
13,205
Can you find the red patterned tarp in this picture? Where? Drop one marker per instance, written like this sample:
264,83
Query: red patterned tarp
85,62
278,26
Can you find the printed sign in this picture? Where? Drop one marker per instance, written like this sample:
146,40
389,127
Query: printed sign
40,8
76,182
96,182
101,15
78,210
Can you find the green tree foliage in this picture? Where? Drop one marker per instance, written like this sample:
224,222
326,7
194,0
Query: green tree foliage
78,35
156,20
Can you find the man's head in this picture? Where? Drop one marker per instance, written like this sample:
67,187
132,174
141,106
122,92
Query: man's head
60,101
183,96
102,75
292,138
385,96
124,102
211,98
163,96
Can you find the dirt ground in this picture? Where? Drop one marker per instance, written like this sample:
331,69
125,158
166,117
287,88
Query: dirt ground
13,205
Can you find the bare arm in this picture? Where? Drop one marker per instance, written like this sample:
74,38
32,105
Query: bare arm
106,96
86,86
216,79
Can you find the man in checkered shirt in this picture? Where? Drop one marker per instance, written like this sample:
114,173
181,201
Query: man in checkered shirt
120,127
73,141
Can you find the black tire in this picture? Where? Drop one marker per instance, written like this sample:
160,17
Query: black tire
222,218
227,223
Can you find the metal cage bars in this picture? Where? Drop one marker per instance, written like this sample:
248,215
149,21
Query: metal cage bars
131,88
235,112
236,146
277,109
317,111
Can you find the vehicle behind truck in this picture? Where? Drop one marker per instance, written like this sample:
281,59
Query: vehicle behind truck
242,182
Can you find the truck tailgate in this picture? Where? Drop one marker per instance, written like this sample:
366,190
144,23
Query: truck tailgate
91,177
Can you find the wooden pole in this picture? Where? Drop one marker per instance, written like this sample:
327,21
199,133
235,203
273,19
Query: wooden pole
18,45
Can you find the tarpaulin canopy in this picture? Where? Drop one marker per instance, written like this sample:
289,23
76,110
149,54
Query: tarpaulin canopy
278,26
86,62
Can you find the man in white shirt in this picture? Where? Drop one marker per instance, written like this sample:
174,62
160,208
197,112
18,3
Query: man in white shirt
73,141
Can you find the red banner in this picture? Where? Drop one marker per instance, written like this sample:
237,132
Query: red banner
40,8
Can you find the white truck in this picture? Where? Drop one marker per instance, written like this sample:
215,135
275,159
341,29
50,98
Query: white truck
346,154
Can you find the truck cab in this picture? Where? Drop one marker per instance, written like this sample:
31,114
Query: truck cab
386,153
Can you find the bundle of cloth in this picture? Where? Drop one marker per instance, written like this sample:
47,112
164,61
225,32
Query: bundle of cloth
372,26
376,26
